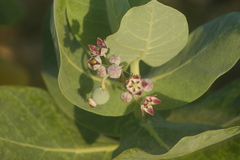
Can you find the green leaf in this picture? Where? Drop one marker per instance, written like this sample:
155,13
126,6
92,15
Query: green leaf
220,108
33,128
106,125
212,50
76,81
116,10
157,136
228,149
185,146
87,19
154,33
134,3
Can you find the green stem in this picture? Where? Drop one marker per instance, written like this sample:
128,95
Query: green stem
134,67
103,86
148,126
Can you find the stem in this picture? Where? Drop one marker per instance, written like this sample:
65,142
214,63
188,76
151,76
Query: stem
148,126
134,67
103,86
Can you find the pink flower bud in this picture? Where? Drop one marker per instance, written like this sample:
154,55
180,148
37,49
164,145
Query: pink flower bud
101,43
94,62
94,50
147,85
103,47
102,72
126,97
115,59
114,71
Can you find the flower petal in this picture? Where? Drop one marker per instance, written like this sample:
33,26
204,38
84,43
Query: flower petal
94,62
94,49
126,97
147,109
147,85
114,71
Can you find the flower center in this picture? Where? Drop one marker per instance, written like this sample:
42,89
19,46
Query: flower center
93,61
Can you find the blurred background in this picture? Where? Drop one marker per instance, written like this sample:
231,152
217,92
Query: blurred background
22,29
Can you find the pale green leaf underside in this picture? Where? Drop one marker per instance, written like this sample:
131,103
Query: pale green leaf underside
76,81
221,108
116,10
211,51
185,146
32,128
154,33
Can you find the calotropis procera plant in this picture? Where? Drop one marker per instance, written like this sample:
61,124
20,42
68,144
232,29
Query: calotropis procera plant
99,90
134,85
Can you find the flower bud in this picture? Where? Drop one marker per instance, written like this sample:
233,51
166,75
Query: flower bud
126,97
115,59
91,102
114,71
102,71
100,96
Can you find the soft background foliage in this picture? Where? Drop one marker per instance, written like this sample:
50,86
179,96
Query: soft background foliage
47,125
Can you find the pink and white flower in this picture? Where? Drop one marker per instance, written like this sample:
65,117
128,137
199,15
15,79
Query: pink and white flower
115,59
134,86
102,72
147,85
126,97
94,62
147,102
114,71
99,50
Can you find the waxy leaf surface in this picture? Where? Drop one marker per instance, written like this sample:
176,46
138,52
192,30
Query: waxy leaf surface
220,108
146,135
184,147
33,128
154,33
212,50
76,80
103,124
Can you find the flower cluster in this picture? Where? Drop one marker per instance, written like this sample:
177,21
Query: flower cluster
109,67
135,87
105,67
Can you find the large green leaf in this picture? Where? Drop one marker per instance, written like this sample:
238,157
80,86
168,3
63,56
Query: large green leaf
228,149
90,19
116,10
212,50
154,33
75,79
157,136
103,124
33,128
220,108
185,146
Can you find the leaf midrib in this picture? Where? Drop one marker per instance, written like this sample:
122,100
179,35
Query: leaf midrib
68,150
